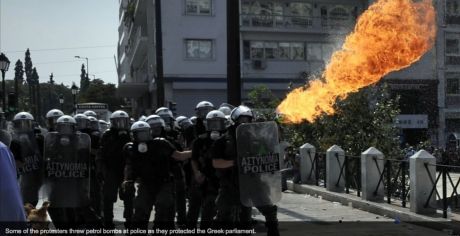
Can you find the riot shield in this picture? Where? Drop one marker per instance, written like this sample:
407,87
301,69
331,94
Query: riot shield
258,163
30,165
67,165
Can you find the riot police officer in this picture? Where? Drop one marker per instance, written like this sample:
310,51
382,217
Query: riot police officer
186,135
93,130
51,119
111,163
67,156
90,113
228,200
201,110
103,125
25,147
172,135
149,161
82,123
206,183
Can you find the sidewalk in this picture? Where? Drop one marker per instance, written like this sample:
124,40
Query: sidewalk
382,208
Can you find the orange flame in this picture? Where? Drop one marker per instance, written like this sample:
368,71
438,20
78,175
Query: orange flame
389,36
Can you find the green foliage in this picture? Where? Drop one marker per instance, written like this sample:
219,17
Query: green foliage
84,80
100,92
263,102
364,119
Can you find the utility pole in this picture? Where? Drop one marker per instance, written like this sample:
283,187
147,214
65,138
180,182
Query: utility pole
159,55
233,53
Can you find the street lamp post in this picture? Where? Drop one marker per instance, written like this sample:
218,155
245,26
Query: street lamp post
61,101
4,64
87,65
74,89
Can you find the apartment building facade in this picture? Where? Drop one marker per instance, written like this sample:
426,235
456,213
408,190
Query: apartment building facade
282,43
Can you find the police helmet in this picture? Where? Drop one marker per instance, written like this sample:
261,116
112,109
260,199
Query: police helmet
82,121
202,109
165,114
242,114
193,120
105,125
23,121
226,110
140,131
120,120
156,123
66,125
215,121
90,113
183,122
93,123
51,118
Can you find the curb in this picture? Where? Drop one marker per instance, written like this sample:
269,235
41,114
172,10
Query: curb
379,208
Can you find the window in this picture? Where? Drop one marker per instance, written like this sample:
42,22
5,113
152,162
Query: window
257,50
273,50
453,83
453,11
297,51
452,49
198,7
284,51
199,49
319,51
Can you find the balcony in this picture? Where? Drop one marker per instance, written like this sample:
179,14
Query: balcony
133,87
308,24
137,44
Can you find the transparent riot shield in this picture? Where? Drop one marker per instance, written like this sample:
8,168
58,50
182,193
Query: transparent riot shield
67,165
258,163
29,165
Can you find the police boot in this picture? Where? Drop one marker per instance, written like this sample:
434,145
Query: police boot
272,229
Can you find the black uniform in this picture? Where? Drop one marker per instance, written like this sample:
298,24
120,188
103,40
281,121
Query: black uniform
204,194
230,211
153,171
29,161
111,165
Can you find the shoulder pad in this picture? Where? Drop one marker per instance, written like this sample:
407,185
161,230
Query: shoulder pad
128,146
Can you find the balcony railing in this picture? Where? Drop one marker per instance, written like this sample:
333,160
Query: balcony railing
296,22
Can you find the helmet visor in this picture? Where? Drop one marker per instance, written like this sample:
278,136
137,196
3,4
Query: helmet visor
52,122
168,120
244,119
202,112
65,128
82,124
23,125
215,125
94,125
120,123
142,135
156,131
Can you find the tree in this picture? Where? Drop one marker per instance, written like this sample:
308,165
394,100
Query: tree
84,80
98,91
363,119
263,102
18,80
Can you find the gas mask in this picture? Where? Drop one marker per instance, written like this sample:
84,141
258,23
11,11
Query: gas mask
122,132
214,135
64,140
142,136
156,131
142,147
167,128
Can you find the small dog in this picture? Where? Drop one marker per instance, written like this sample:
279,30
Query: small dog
37,218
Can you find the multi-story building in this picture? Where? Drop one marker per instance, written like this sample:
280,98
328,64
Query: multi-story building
282,43
448,66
